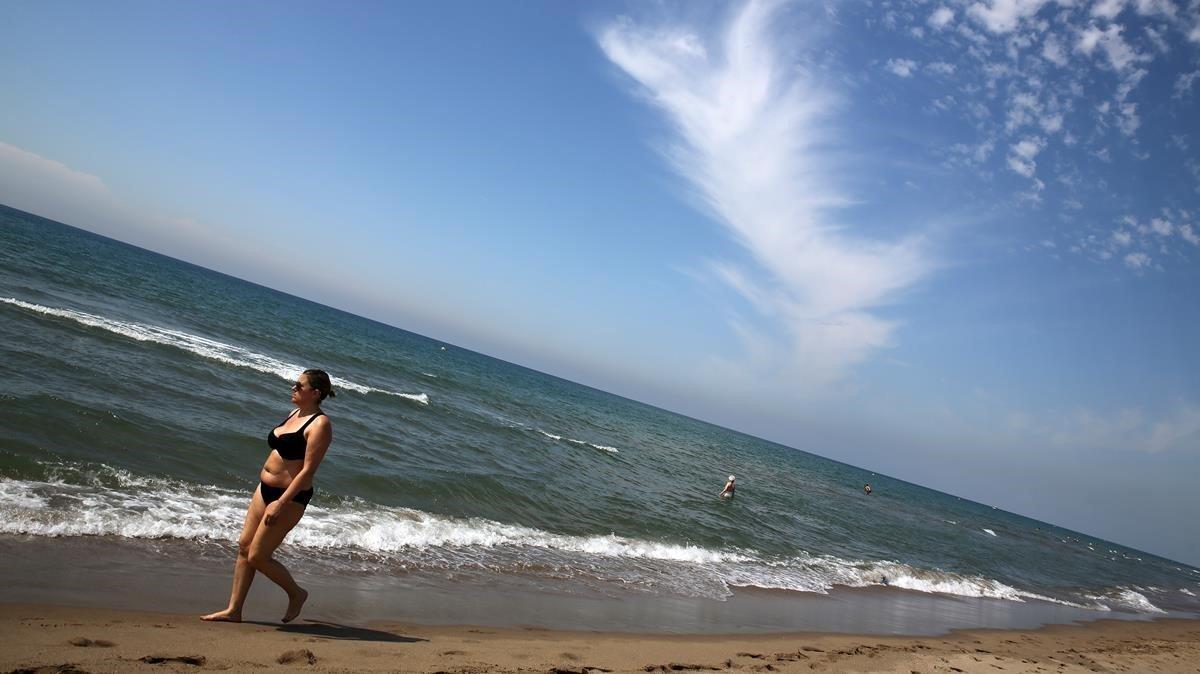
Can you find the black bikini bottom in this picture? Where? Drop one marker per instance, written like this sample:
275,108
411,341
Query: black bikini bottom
271,494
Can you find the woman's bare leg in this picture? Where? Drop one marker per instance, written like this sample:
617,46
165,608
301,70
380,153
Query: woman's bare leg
243,572
262,548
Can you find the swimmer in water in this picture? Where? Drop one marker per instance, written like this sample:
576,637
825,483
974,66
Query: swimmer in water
727,492
867,488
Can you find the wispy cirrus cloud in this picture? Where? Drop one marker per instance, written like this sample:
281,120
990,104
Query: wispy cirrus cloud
749,132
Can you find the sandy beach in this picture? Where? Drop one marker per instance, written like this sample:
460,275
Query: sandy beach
42,638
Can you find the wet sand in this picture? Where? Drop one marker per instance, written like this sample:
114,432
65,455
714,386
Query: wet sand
111,605
184,578
41,638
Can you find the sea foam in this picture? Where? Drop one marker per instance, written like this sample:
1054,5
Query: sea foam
201,346
90,500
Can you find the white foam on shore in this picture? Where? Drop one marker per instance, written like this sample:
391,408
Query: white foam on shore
820,574
113,502
91,500
1126,599
201,346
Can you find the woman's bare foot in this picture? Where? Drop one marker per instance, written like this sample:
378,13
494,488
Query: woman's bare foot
295,603
226,616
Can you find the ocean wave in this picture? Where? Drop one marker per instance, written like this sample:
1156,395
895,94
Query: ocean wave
89,500
113,502
823,573
1125,599
556,437
201,346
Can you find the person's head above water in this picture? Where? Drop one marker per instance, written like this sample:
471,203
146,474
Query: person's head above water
732,478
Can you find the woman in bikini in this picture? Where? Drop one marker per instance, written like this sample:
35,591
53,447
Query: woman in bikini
285,487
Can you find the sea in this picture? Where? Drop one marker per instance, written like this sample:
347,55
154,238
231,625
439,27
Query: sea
138,391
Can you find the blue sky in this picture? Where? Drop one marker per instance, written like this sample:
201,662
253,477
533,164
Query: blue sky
955,242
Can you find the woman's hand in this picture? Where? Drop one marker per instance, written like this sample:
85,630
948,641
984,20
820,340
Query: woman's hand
271,512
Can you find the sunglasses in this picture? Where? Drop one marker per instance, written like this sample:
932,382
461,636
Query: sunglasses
298,386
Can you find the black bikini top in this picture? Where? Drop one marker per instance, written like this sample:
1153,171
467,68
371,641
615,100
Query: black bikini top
291,446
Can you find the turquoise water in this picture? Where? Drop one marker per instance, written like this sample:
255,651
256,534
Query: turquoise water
139,390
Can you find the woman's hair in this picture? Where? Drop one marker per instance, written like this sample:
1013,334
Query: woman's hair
319,380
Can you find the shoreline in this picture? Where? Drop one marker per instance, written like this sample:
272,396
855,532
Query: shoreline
70,639
189,578
106,604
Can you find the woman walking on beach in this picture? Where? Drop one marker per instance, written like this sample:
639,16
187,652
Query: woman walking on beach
285,486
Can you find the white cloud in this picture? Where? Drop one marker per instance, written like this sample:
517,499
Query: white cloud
747,136
1003,16
1133,242
1151,7
944,103
1127,119
1183,83
974,154
1023,166
1051,123
1033,194
1171,428
1021,156
31,183
1053,51
1022,109
1137,260
1120,55
901,67
1129,82
1156,38
1108,9
941,17
1028,148
941,68
1180,430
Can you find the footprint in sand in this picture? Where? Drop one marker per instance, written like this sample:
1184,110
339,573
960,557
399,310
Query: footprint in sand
302,655
91,643
197,660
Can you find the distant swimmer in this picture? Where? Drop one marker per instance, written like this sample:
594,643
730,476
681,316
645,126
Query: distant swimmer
727,492
867,488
